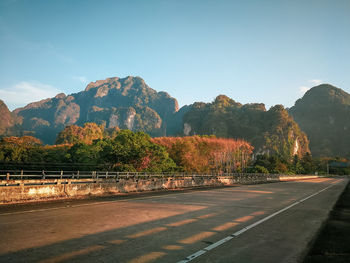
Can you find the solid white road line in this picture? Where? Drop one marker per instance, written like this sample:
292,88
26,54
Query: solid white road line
228,238
95,203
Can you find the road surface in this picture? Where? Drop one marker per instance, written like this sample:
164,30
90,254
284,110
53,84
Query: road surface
252,223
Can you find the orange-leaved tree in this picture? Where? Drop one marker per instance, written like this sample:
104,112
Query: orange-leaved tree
203,154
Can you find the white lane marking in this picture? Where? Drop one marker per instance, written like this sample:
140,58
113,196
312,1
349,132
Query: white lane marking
228,238
72,206
220,242
98,203
193,256
31,211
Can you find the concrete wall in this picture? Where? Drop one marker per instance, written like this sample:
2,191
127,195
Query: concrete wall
12,191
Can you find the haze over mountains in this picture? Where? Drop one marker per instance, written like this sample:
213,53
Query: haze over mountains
128,103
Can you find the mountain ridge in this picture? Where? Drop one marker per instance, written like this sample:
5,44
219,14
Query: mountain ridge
129,103
270,132
124,102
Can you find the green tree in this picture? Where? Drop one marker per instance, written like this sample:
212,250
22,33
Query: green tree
259,169
20,149
135,151
308,164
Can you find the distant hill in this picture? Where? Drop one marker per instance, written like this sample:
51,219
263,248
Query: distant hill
324,114
127,103
272,131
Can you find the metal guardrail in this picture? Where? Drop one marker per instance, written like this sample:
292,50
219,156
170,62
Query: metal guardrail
18,178
44,174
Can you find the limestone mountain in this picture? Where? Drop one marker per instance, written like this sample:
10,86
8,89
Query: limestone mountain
127,103
323,113
8,121
272,131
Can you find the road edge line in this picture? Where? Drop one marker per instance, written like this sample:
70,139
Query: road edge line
239,232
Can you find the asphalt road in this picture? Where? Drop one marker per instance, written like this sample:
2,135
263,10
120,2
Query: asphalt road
253,223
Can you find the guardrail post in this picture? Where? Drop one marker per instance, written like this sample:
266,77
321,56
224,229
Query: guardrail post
43,174
8,176
61,174
21,174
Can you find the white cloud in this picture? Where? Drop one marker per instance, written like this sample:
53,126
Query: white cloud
81,79
315,81
303,89
26,92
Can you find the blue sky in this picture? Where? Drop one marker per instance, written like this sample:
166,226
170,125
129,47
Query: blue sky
252,51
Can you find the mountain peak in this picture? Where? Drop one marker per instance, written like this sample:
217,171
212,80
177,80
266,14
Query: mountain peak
97,83
323,113
115,81
60,96
325,94
272,131
113,102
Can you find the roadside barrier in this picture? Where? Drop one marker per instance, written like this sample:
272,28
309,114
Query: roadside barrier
22,186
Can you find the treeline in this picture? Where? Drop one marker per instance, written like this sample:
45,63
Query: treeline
295,165
94,148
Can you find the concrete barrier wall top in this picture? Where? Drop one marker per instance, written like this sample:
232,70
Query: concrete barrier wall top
13,189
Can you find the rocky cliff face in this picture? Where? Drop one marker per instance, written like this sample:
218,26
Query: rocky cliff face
324,114
272,131
8,120
127,103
